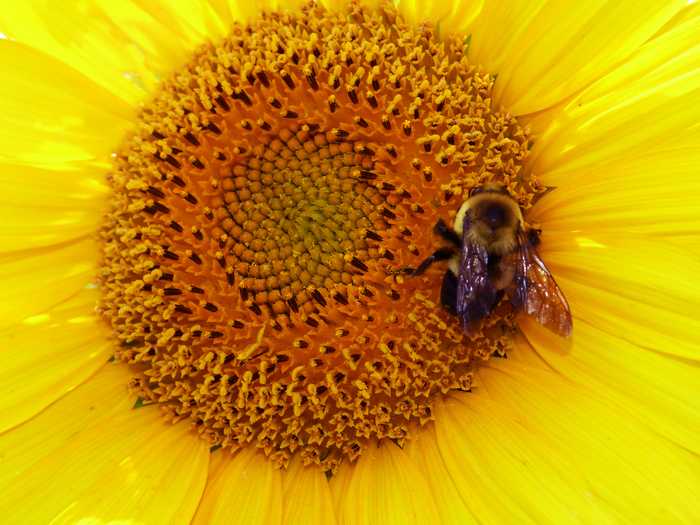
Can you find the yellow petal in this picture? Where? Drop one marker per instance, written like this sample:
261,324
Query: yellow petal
417,12
423,451
461,19
655,194
216,458
83,36
339,485
637,474
451,16
166,32
307,497
122,45
568,45
509,471
132,468
690,242
522,350
245,489
48,356
499,25
32,281
387,488
649,103
39,207
51,112
229,11
100,397
659,391
539,121
642,290
689,12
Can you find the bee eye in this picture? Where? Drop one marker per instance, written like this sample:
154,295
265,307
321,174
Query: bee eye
475,191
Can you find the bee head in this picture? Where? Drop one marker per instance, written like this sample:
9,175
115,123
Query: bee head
489,187
494,218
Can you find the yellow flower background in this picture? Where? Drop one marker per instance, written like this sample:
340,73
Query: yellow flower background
601,428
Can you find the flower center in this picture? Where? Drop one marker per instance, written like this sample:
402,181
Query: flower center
266,216
298,212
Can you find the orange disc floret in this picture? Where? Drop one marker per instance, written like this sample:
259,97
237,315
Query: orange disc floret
266,216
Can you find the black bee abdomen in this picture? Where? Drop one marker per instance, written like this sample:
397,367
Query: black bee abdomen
448,293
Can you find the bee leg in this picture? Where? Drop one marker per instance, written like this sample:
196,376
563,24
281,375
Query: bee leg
448,292
440,255
534,236
447,233
499,296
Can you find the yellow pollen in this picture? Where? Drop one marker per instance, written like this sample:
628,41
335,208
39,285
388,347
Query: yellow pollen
265,217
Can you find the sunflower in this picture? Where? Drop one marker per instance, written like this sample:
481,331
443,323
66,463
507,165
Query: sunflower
234,198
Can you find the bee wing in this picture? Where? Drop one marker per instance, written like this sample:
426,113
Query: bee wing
475,291
536,291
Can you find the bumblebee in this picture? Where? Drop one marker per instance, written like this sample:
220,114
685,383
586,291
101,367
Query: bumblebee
493,253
